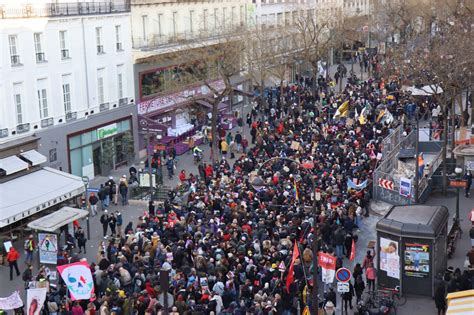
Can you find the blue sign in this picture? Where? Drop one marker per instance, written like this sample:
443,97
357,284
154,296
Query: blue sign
343,275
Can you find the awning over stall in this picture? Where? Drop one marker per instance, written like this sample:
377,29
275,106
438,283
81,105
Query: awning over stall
34,157
31,193
12,164
461,303
54,221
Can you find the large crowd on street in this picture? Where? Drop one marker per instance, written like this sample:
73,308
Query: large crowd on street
222,239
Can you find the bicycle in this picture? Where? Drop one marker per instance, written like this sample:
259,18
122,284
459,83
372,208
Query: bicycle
394,294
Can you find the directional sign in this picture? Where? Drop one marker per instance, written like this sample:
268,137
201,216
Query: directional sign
343,275
343,287
458,183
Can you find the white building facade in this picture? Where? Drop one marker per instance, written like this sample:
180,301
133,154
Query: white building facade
66,68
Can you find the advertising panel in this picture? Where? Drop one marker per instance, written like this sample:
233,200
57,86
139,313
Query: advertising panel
417,260
48,248
389,257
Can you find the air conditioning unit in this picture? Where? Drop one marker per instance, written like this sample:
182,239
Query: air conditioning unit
71,116
23,128
104,107
123,101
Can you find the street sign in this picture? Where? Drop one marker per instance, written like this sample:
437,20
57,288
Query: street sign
343,287
385,183
457,183
343,275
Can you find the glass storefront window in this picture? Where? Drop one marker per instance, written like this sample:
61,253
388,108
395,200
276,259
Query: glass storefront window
74,142
76,162
86,137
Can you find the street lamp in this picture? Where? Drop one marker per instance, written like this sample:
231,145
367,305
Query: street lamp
86,180
458,172
258,184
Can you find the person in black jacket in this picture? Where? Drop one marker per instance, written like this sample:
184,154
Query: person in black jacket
331,296
104,220
347,297
81,240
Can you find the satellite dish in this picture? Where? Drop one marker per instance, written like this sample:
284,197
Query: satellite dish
161,299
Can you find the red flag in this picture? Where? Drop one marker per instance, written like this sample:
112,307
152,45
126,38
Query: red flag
353,251
291,272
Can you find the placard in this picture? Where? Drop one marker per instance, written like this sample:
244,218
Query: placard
405,187
389,257
48,248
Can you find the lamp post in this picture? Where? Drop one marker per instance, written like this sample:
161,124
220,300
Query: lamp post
260,183
458,172
86,180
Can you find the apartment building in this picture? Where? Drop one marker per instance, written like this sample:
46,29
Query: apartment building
67,82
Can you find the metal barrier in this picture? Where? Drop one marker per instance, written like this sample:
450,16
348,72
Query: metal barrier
392,140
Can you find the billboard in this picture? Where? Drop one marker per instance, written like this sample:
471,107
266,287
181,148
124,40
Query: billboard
417,260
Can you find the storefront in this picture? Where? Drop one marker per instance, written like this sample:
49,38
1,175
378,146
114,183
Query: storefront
96,151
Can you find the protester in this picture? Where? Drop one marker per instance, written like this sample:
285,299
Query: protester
12,258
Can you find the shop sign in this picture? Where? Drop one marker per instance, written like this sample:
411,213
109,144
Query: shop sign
469,165
417,260
457,183
165,101
107,131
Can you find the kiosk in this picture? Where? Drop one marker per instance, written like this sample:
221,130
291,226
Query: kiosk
411,243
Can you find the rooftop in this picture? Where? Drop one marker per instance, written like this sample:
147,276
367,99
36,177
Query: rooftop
64,9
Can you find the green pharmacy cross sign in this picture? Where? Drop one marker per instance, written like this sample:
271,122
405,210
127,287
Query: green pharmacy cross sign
107,131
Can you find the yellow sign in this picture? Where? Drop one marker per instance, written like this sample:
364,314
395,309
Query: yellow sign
306,311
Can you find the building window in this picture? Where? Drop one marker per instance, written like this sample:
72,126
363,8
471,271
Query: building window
224,18
191,21
100,90
120,85
67,98
175,26
118,38
232,17
53,155
160,25
242,15
216,17
145,26
204,20
98,39
43,103
63,45
18,109
14,55
40,57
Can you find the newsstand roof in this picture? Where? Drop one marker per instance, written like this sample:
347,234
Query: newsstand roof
417,221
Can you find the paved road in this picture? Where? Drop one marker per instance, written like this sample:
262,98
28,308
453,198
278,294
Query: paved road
131,212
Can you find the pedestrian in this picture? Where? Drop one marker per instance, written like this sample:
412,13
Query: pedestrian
347,297
104,196
224,147
29,247
170,167
370,275
93,200
12,258
123,189
238,141
81,240
104,220
331,296
468,178
359,287
249,120
77,309
440,299
191,144
112,190
368,260
112,224
151,209
182,176
119,219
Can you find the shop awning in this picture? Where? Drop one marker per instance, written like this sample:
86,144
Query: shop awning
204,103
29,194
461,303
52,222
244,93
13,164
34,157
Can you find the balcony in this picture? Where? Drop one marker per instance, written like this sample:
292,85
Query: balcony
64,54
123,101
63,9
47,122
40,57
104,106
100,49
22,128
71,116
15,59
118,46
4,133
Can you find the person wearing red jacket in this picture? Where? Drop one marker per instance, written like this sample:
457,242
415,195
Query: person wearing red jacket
209,171
12,258
182,176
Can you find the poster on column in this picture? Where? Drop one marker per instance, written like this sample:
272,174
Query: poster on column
417,260
35,300
389,258
327,263
405,187
78,279
48,248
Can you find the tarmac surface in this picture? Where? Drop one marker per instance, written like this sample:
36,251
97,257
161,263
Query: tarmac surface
414,305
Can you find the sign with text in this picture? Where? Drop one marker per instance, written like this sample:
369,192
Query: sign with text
327,263
107,131
457,183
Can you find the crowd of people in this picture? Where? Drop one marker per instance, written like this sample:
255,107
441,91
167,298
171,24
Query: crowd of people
224,239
